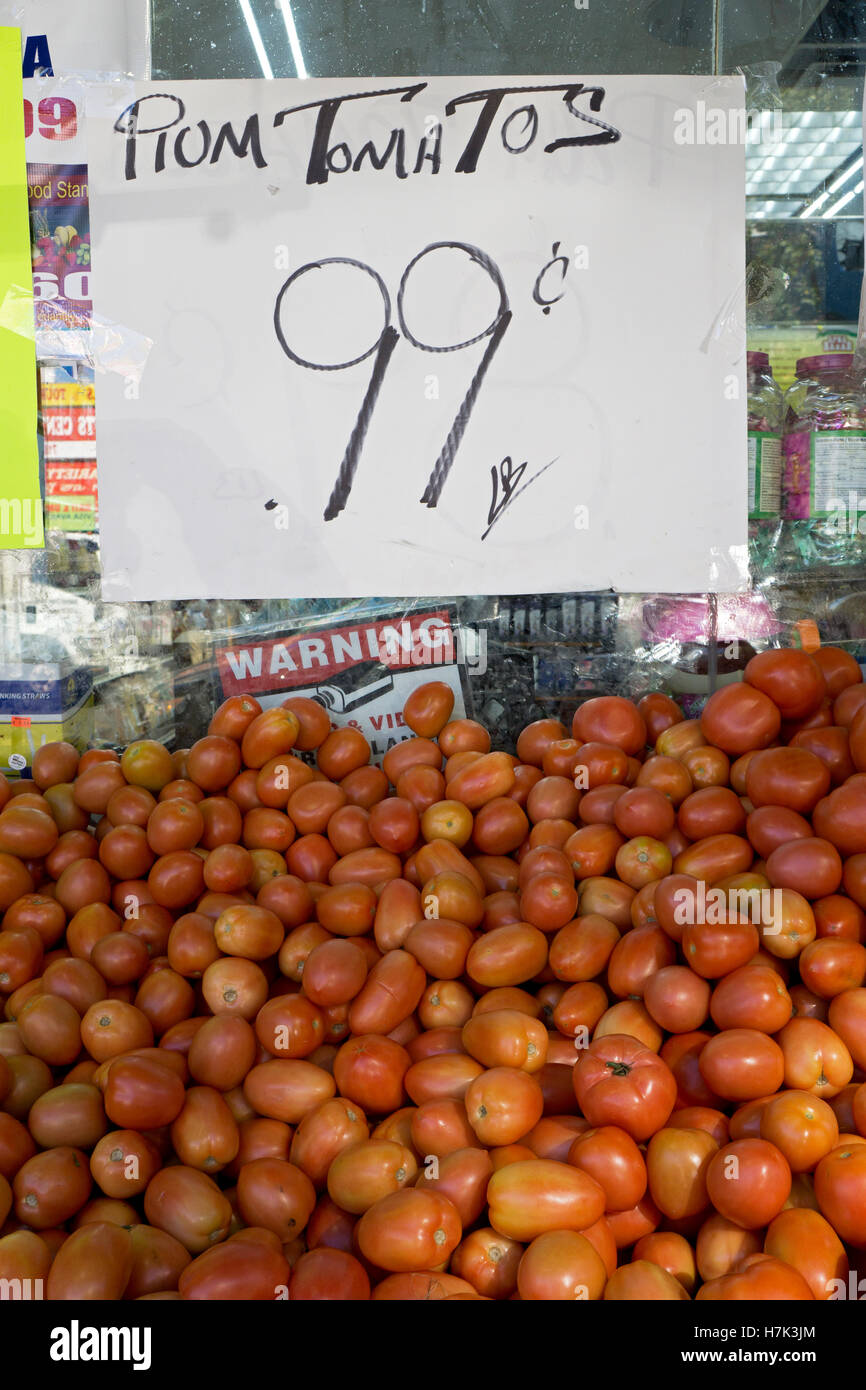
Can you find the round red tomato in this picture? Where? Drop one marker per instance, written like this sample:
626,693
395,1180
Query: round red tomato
618,1081
840,1187
739,718
613,1158
413,1229
759,1277
749,1182
611,719
791,678
791,777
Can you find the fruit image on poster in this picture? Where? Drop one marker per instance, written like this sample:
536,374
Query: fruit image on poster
60,233
57,191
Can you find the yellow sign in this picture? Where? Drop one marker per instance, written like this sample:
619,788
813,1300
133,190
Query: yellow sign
68,393
20,500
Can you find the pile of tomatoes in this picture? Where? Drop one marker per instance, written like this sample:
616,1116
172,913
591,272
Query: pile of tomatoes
585,1022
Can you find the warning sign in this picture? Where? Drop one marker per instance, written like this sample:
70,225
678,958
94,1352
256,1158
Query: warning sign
362,673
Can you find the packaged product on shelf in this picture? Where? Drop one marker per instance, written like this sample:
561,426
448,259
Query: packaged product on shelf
824,446
786,343
42,703
766,407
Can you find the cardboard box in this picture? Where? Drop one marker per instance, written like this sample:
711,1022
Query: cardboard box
42,703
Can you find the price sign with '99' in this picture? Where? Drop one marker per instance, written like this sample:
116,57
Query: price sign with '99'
425,336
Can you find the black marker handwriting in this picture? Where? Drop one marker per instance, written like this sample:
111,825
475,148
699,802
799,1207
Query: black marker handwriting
185,143
510,477
382,349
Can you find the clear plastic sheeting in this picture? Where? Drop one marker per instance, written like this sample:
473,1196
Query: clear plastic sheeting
69,334
763,97
690,644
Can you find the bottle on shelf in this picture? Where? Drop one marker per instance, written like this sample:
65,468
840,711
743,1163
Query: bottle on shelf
824,460
766,415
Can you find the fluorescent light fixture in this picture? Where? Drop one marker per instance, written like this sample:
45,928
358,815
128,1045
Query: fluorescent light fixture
255,35
854,167
843,178
846,198
285,7
813,207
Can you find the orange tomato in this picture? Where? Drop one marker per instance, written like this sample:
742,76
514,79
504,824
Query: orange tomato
526,1199
409,1230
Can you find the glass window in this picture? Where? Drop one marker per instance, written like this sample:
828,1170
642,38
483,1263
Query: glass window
154,666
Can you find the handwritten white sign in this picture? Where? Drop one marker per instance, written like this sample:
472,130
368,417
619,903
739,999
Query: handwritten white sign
453,335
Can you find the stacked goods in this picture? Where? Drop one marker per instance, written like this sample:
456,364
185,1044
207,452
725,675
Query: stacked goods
588,1022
